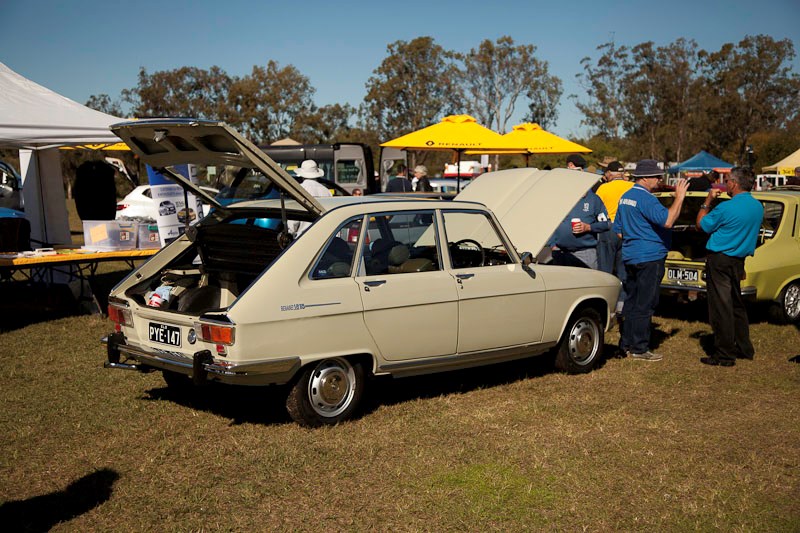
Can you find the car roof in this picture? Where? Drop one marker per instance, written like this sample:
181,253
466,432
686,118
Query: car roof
394,202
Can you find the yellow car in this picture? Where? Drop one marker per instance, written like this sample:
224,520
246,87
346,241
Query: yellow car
772,273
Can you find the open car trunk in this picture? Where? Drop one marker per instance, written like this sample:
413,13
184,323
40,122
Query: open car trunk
210,266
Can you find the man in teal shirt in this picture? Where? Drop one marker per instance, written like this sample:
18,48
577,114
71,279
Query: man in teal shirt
734,227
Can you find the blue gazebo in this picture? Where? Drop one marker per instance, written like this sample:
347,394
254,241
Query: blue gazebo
700,162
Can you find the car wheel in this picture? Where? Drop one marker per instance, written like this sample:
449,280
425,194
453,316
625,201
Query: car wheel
789,302
581,344
326,392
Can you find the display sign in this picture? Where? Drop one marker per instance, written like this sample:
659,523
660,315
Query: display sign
171,202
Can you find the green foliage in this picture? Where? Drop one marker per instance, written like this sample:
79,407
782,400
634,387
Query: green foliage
413,87
497,73
671,101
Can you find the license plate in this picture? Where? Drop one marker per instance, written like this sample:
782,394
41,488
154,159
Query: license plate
165,334
682,274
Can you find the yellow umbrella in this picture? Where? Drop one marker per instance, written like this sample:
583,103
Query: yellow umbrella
538,141
455,132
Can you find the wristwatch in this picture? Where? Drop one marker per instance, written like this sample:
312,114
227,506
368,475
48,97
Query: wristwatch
705,206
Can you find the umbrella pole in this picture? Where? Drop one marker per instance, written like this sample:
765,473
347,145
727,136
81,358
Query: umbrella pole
458,171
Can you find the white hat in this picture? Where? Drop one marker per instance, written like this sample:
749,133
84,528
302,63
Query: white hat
309,170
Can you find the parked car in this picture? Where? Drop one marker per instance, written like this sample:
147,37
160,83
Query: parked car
376,285
139,203
772,273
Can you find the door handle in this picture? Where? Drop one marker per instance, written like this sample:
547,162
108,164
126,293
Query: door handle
465,276
375,283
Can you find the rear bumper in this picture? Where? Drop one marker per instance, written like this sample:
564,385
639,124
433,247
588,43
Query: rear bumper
749,293
201,366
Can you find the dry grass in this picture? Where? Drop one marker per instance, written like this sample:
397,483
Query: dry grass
634,446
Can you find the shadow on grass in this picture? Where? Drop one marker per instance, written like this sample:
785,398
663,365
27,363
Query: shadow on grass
41,513
706,341
266,405
24,303
242,405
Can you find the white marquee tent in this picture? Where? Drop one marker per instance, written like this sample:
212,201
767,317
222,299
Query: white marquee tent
37,121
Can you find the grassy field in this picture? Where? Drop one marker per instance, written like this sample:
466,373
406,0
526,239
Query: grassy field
634,446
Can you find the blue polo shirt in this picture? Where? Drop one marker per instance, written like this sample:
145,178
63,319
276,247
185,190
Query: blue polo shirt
640,219
734,225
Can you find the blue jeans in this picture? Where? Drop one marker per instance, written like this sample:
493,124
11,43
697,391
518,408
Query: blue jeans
642,286
609,257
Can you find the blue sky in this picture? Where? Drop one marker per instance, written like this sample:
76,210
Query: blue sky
81,48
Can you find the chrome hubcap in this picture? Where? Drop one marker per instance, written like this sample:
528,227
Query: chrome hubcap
584,340
791,301
331,387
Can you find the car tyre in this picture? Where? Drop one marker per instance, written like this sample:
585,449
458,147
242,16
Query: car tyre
789,303
326,392
581,344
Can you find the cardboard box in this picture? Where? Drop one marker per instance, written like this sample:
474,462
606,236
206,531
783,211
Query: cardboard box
148,236
109,235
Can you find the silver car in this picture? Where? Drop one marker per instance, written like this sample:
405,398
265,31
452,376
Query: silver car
374,285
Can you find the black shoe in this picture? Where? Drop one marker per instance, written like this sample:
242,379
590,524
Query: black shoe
713,361
743,356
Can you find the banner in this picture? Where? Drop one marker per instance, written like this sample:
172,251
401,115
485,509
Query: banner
170,199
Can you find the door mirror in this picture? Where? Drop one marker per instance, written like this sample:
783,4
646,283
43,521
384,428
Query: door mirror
527,259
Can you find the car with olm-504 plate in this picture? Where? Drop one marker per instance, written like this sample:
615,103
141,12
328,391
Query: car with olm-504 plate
373,285
772,273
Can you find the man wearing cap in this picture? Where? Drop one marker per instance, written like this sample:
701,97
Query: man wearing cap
576,162
609,245
644,225
310,172
734,227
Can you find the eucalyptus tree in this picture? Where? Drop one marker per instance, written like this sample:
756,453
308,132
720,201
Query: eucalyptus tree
415,85
496,74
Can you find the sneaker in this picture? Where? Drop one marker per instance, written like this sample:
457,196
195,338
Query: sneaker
646,356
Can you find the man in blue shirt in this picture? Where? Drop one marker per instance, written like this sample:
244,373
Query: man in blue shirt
574,243
734,227
644,225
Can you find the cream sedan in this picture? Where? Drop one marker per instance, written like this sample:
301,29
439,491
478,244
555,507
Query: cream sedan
375,285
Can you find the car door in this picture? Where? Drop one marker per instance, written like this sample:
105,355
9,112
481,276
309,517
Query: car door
500,304
410,302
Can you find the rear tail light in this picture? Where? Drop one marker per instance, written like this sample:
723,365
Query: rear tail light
120,207
224,335
120,315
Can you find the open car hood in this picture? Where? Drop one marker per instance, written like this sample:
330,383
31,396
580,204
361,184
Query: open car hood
167,142
529,203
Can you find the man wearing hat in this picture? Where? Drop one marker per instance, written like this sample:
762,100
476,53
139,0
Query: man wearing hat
310,172
609,245
644,225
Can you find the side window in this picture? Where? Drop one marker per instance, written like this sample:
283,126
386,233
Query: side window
473,240
773,212
401,243
348,171
336,260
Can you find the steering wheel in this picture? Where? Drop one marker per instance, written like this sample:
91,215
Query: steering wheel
463,260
